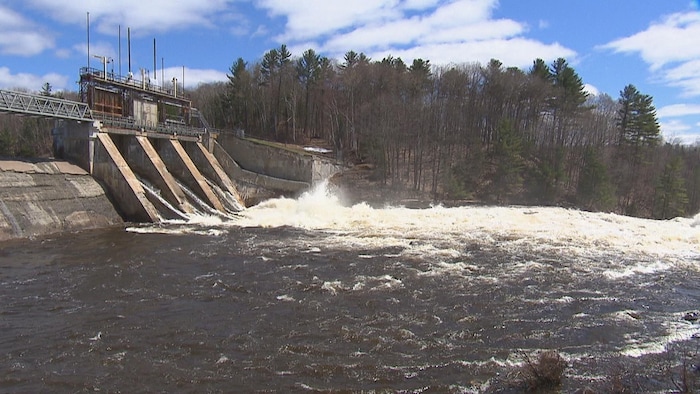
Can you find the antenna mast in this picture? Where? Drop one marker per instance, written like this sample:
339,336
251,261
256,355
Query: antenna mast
120,50
128,43
88,40
155,69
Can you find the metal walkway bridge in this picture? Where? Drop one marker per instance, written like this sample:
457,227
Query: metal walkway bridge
37,105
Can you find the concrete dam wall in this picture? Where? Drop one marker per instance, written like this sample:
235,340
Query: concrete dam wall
262,171
130,175
43,197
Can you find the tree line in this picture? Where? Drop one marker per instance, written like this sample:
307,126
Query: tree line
457,132
469,131
29,136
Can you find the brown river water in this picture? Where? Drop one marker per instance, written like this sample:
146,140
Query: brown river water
309,295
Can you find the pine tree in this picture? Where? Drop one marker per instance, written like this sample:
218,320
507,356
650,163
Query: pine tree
639,135
237,94
507,156
671,195
637,119
595,191
46,89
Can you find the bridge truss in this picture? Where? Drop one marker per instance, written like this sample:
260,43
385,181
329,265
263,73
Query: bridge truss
36,105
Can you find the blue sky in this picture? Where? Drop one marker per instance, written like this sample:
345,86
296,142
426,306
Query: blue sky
654,45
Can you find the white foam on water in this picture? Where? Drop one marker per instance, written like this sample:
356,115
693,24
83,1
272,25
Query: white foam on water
638,268
445,268
677,331
333,287
178,230
376,283
613,246
441,232
286,297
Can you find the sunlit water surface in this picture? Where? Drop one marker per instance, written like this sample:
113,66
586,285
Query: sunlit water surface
310,295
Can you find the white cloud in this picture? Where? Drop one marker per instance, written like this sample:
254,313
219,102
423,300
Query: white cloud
456,31
686,76
314,18
514,52
261,31
670,48
19,36
10,19
400,32
676,130
419,4
142,16
684,139
482,30
193,77
99,48
31,82
674,126
461,12
676,110
674,39
591,90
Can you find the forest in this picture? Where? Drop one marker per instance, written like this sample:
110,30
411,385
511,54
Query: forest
465,133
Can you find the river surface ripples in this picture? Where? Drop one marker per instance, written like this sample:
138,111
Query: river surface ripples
308,295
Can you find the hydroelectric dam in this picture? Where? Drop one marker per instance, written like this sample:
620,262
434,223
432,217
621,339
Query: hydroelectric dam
150,151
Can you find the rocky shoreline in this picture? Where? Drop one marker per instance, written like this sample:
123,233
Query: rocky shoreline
359,184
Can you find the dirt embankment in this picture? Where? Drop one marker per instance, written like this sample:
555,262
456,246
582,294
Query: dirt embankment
39,197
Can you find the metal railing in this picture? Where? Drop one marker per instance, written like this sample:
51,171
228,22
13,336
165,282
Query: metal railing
161,128
37,105
131,81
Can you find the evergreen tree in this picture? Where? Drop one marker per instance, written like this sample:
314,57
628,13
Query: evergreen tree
273,66
508,160
671,195
308,68
541,70
595,190
637,120
639,134
565,107
237,95
46,89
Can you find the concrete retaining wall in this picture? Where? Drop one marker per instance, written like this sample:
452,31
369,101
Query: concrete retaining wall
254,187
277,162
44,197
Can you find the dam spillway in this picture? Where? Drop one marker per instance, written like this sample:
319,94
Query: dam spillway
118,158
152,153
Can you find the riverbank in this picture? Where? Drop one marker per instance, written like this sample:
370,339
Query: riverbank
42,196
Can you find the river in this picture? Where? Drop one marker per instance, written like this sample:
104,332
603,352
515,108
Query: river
309,295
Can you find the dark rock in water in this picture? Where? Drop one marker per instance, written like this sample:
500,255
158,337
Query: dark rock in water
692,316
634,315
